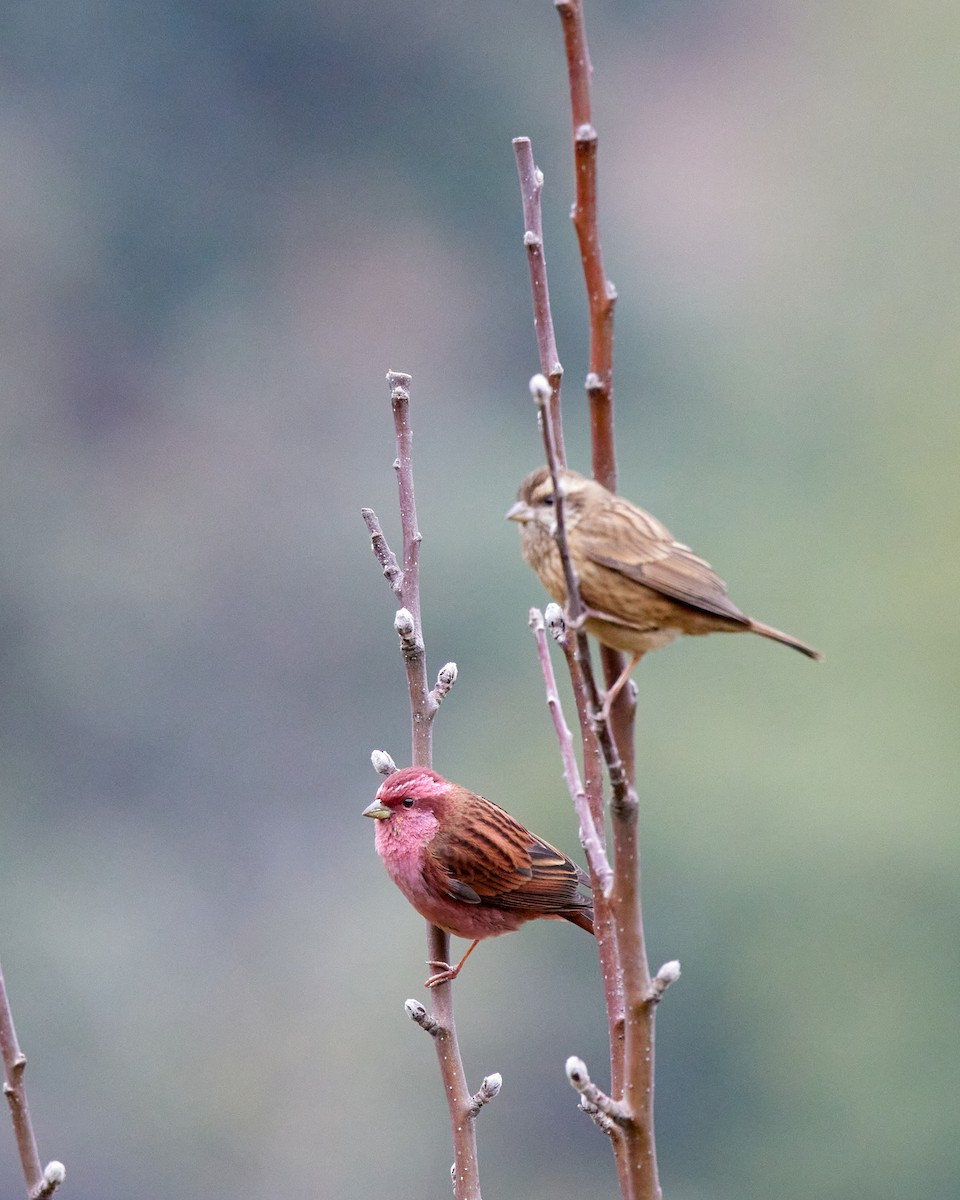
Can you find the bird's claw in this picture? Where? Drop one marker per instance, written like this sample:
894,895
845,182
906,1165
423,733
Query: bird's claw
443,975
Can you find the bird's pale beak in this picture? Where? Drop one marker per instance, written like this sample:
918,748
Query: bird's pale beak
377,810
519,512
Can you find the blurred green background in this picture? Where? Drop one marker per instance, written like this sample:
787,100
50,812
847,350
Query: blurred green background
221,224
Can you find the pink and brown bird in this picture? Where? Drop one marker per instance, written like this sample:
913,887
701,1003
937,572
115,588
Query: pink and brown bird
641,588
469,867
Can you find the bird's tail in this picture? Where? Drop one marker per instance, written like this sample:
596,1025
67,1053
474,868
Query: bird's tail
580,916
775,635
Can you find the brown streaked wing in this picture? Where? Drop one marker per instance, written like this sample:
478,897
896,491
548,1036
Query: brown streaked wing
555,883
646,552
501,862
488,850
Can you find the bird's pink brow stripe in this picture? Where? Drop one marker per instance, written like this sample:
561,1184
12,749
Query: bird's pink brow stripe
426,786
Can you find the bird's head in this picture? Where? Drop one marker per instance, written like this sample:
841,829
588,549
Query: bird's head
409,792
535,499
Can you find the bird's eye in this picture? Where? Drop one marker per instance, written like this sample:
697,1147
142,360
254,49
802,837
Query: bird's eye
408,802
548,499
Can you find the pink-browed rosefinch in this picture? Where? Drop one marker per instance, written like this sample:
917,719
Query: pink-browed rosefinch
468,866
641,588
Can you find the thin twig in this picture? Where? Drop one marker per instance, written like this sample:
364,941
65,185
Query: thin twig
607,940
446,678
631,1051
405,583
40,1181
581,1082
591,836
531,187
419,1015
591,825
382,552
489,1090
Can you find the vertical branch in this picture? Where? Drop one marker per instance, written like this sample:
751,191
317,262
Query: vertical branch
531,186
405,584
40,1182
638,1031
591,832
423,707
591,818
601,294
631,1048
403,465
601,300
627,1115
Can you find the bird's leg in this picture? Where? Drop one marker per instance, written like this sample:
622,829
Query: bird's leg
446,972
614,692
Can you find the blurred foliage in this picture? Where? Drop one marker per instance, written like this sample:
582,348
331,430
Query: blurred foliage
220,225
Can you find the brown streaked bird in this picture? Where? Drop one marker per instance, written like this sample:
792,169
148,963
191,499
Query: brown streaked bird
641,588
468,866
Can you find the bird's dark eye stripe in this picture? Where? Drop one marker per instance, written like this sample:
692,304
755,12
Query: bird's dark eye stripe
407,802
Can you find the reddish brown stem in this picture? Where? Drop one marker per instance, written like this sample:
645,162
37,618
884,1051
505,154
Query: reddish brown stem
631,1020
405,583
639,1160
632,1002
638,1041
601,294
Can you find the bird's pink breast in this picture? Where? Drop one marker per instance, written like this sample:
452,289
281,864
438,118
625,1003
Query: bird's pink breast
401,842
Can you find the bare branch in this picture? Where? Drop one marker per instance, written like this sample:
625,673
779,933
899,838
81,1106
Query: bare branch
489,1090
399,384
382,552
423,708
581,1082
579,648
601,294
604,1123
419,1015
620,927
632,998
531,185
446,678
590,836
40,1181
589,806
408,620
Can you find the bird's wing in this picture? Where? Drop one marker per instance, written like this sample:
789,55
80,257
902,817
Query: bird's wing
646,552
496,861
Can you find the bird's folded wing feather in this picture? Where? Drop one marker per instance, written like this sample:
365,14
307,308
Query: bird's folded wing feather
504,864
647,553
